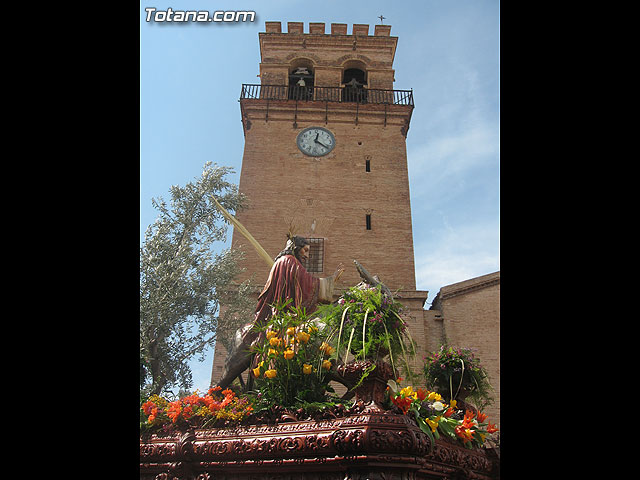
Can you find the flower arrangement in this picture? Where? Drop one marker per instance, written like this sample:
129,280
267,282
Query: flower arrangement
436,418
292,362
458,372
366,323
217,408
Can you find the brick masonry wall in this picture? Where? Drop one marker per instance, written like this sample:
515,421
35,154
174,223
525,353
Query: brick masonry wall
473,320
329,197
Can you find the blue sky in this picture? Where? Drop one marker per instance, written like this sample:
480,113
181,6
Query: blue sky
448,53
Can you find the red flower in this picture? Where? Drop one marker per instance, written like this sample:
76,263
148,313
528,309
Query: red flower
422,394
154,414
491,428
467,422
449,412
174,410
402,403
464,433
482,417
187,412
214,389
228,392
147,406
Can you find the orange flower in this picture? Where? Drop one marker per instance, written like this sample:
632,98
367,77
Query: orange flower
492,428
306,369
288,354
173,410
326,348
468,418
154,414
422,394
303,337
466,434
256,372
402,403
326,365
291,331
274,341
147,406
270,373
187,412
481,417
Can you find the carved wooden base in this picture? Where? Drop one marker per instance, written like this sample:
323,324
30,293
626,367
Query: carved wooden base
365,442
364,446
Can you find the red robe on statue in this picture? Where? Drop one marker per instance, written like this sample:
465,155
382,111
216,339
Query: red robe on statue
288,279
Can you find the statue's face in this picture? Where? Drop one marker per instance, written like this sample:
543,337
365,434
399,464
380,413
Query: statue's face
303,253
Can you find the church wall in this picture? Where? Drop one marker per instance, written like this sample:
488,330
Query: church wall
472,320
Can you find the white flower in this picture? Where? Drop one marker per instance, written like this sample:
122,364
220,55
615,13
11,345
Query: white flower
438,406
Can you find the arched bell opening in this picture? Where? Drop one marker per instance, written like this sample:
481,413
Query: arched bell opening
301,80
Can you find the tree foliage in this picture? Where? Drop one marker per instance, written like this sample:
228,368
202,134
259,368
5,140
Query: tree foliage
183,281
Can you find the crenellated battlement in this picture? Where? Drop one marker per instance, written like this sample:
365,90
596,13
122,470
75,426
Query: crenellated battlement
319,28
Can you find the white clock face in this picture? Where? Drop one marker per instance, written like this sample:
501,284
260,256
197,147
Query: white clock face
315,141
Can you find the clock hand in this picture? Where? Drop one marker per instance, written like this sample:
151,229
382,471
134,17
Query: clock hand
320,143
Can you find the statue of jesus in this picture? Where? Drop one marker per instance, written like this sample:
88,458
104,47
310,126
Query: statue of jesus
288,279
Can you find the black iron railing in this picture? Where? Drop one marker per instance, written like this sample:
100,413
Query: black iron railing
328,94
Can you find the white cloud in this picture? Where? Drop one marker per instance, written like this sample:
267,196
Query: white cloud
452,255
439,161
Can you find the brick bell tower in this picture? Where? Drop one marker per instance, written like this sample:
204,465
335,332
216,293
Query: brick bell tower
325,156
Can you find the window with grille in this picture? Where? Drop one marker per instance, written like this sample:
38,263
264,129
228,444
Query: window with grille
315,263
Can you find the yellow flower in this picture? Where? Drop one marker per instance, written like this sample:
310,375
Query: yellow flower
408,392
303,337
326,365
306,369
274,341
453,403
270,373
326,348
434,396
256,372
433,423
273,351
291,331
271,333
288,354
313,328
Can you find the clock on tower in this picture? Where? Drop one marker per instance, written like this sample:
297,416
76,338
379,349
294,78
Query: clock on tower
325,155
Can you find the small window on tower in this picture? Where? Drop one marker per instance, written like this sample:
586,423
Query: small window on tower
368,166
315,263
368,221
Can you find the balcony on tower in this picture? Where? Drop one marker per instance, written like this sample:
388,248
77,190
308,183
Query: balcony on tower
347,94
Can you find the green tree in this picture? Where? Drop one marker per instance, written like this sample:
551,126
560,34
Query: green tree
183,282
